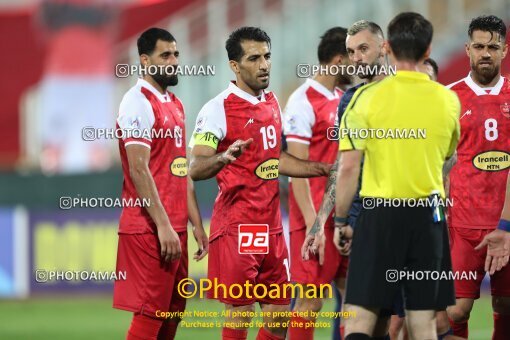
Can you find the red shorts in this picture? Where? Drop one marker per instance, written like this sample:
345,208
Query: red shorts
150,285
310,272
229,267
465,259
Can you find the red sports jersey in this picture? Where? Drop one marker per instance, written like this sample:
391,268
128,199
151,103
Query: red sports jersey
155,121
478,179
248,187
310,112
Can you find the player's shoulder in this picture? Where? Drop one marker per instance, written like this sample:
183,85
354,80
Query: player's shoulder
505,89
175,99
134,100
459,86
298,96
349,93
216,105
365,92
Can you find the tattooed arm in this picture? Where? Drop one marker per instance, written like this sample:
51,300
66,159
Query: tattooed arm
328,201
447,167
315,238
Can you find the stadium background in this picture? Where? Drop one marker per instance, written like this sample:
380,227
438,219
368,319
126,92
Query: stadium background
66,51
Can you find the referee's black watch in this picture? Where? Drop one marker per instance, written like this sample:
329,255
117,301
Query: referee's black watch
341,220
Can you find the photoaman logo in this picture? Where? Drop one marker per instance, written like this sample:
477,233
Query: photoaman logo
268,169
494,160
179,167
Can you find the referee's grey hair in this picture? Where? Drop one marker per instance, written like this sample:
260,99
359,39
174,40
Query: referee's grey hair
362,25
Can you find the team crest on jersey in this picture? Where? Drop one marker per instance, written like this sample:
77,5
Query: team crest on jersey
276,116
333,117
505,110
179,113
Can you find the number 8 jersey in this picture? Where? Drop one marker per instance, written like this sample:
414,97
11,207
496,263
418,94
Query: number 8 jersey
248,187
478,179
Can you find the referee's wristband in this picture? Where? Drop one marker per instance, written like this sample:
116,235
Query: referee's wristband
342,220
504,225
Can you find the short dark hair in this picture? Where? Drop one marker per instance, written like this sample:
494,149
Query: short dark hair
487,23
432,62
409,36
147,41
332,44
233,44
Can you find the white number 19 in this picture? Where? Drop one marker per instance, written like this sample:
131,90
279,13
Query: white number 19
268,136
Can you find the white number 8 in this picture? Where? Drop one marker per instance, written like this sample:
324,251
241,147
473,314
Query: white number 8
491,129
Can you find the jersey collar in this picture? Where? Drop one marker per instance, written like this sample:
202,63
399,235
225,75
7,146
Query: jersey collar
164,98
322,89
233,88
480,91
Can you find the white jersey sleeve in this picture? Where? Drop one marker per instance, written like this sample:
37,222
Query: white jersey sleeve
136,119
211,124
299,119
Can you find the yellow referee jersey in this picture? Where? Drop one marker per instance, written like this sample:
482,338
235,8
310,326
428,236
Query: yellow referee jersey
407,125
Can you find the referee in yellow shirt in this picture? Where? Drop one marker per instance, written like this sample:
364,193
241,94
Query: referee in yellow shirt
405,126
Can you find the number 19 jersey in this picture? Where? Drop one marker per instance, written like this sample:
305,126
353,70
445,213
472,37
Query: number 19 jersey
478,179
248,187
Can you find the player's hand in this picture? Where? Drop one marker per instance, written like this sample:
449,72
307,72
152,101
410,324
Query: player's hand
314,243
235,150
169,242
202,242
498,250
323,168
342,239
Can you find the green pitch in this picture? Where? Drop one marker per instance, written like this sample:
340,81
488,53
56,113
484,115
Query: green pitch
93,318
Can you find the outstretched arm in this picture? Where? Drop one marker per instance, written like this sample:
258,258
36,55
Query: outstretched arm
294,167
206,163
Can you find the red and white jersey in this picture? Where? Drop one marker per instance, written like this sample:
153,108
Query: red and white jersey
310,112
157,122
248,187
478,179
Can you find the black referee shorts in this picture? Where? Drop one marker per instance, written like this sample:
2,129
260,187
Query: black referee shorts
389,241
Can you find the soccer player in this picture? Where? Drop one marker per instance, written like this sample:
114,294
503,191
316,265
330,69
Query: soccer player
308,117
400,237
444,331
237,139
477,180
365,48
152,247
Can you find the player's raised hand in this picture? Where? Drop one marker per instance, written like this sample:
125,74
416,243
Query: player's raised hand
498,250
169,242
235,150
202,242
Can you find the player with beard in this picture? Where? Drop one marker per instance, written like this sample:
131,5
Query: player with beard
366,51
477,180
309,114
152,248
237,139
